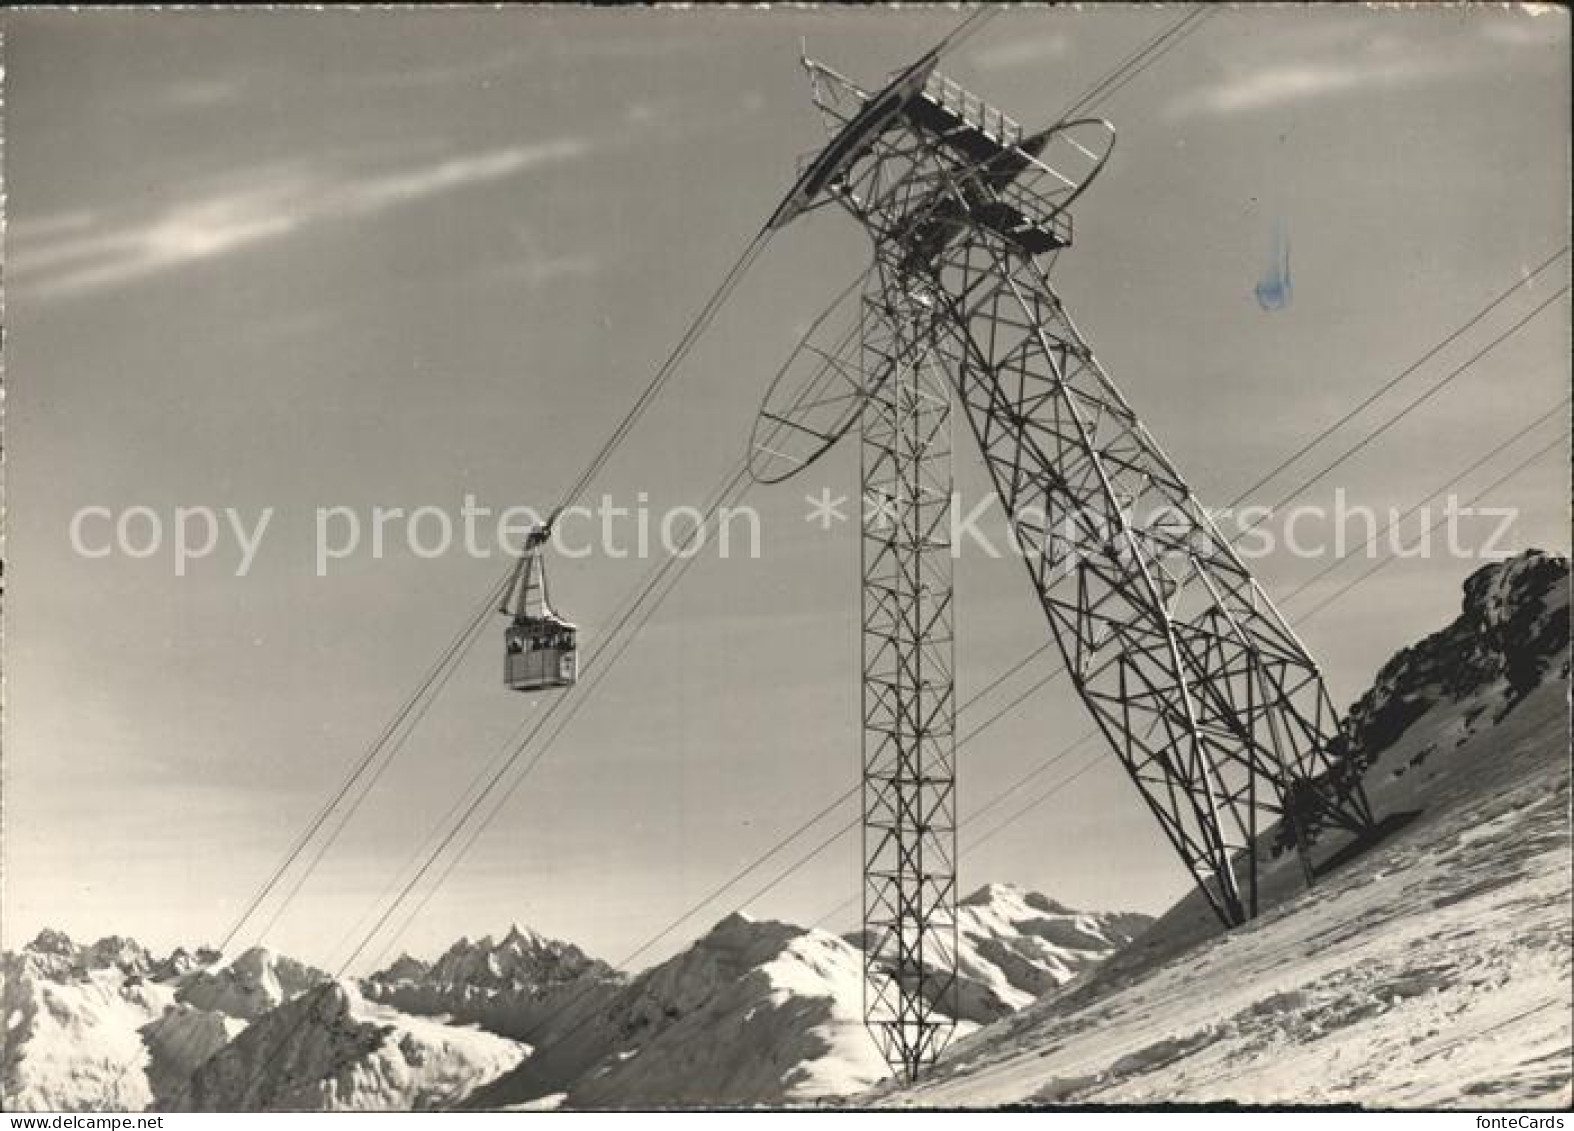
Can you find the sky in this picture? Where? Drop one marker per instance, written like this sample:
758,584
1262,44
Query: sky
302,259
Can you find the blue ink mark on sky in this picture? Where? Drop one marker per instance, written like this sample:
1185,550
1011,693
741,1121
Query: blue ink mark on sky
1273,288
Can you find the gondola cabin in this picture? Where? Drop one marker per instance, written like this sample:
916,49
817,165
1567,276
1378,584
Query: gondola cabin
540,654
540,648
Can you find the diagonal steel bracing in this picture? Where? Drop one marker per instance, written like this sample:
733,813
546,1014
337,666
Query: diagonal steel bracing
1205,695
1214,707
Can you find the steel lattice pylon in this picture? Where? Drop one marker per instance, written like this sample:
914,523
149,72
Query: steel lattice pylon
1206,696
909,700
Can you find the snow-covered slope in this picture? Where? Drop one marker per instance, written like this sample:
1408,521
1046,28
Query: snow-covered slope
755,1012
330,1050
520,986
72,1038
1434,969
178,1041
109,1026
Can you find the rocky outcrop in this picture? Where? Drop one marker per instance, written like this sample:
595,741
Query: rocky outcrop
517,986
330,1050
256,982
1511,634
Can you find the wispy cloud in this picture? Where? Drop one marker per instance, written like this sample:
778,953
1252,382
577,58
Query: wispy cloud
70,255
1278,84
1348,58
507,62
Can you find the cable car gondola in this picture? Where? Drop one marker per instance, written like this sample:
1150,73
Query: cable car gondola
540,647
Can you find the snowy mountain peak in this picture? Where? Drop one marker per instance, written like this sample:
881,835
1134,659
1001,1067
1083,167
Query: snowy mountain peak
406,968
53,954
257,981
512,986
1015,945
255,958
741,927
739,942
51,941
737,920
521,959
1496,592
990,893
180,961
119,952
522,936
260,963
1007,895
